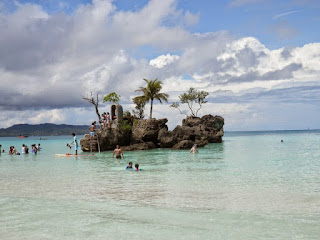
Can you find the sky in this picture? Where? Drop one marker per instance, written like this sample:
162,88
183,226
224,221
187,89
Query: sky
259,60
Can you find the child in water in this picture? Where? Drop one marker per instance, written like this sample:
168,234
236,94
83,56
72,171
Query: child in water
129,167
136,166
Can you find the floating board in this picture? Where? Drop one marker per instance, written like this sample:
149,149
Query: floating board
73,155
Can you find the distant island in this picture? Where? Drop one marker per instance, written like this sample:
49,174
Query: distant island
45,129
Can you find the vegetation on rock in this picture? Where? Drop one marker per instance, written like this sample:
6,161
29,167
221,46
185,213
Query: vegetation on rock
112,98
193,96
152,92
140,103
94,101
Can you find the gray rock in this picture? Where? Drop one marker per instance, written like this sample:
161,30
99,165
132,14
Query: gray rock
184,144
147,130
151,133
139,146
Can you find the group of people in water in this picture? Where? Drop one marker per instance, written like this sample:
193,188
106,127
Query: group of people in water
24,150
136,167
119,154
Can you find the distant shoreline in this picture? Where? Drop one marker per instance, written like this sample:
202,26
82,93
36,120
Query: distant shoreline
45,129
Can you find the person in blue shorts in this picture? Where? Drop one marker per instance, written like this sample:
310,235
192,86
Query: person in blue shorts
75,142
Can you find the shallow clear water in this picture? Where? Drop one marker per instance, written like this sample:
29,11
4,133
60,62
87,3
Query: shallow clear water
251,186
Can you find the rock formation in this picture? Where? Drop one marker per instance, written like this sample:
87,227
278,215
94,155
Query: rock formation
152,133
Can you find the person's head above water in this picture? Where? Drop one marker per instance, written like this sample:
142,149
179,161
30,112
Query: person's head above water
130,164
136,166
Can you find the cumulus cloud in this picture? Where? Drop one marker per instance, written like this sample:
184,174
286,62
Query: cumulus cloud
163,60
49,60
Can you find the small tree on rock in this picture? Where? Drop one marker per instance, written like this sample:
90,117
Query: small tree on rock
140,103
94,101
192,97
112,98
152,92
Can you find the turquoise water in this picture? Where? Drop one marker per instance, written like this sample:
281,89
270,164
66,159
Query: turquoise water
251,186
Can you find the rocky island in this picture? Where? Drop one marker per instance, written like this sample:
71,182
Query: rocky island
134,134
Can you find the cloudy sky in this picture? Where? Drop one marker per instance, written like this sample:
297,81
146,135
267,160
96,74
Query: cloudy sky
258,59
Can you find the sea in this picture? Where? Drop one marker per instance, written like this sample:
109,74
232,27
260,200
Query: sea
250,186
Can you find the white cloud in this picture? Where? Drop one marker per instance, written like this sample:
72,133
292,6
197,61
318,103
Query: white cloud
51,60
280,15
191,19
163,60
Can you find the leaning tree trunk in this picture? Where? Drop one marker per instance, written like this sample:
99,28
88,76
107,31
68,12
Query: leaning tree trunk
97,112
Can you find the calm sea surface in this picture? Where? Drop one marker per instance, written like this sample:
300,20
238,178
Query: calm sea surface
251,186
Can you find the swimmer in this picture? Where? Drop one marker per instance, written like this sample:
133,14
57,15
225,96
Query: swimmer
129,167
23,149
136,166
118,152
34,150
194,149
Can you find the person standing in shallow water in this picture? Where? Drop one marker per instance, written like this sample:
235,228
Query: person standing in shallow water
117,152
194,149
75,142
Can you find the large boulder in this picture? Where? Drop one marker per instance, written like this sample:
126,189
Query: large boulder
106,139
147,130
207,127
166,138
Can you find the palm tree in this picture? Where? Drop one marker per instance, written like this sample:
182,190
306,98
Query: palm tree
152,91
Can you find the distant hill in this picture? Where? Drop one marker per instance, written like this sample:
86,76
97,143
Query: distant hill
46,129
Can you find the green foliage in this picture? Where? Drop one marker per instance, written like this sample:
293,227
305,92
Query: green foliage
135,122
140,102
125,126
152,92
192,97
112,97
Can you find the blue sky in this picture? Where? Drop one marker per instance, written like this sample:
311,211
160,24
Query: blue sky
297,19
258,59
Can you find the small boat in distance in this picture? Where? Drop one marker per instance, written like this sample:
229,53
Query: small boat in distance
23,136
